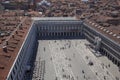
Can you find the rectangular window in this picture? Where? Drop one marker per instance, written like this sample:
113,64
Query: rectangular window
14,71
16,66
11,77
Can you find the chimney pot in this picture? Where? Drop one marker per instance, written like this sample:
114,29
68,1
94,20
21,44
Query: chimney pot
5,49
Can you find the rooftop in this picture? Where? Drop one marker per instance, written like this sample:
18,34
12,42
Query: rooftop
11,43
103,13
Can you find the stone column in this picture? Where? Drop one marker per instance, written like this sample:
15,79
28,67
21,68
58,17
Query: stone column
69,34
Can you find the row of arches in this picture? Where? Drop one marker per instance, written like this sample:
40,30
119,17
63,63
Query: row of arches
104,50
110,57
59,35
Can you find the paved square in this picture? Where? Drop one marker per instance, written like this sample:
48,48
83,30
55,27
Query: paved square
68,60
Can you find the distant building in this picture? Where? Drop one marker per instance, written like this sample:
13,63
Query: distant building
42,5
85,0
15,5
1,7
44,2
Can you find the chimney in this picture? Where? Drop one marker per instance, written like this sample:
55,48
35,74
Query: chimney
16,32
5,49
12,36
6,42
